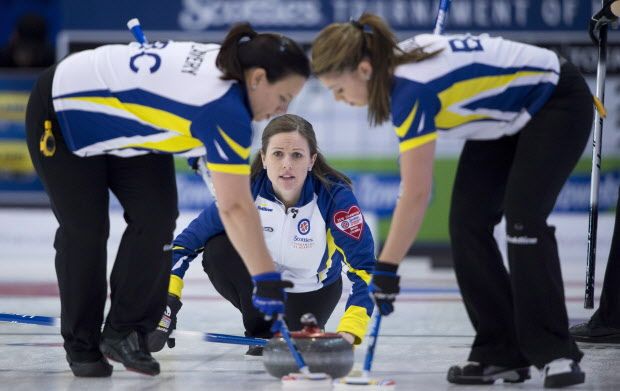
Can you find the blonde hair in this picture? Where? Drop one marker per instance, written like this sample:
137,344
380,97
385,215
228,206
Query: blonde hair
340,47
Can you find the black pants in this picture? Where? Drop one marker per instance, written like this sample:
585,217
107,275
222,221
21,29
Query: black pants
519,317
231,279
608,313
78,189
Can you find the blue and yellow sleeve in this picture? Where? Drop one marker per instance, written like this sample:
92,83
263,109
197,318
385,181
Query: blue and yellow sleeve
225,128
190,243
351,236
414,108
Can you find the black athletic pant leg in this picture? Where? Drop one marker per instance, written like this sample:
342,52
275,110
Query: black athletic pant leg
231,279
549,147
608,312
79,193
77,188
476,208
545,153
320,303
146,188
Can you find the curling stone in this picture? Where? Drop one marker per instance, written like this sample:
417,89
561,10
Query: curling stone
323,352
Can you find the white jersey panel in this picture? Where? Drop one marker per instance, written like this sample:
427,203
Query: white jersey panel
475,87
498,52
293,240
115,70
164,97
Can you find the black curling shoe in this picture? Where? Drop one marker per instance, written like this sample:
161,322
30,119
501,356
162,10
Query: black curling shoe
593,332
562,372
476,373
132,352
99,368
254,352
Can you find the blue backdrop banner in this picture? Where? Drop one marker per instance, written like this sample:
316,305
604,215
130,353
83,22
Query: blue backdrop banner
312,15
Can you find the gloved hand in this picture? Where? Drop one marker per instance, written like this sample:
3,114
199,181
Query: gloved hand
384,286
158,338
269,295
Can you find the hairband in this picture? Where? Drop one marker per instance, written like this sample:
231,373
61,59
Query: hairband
283,43
356,24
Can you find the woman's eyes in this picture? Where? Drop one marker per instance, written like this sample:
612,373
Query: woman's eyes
296,155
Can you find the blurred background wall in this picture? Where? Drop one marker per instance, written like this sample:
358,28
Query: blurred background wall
34,34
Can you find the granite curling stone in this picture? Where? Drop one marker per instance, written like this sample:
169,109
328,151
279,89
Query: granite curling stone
323,352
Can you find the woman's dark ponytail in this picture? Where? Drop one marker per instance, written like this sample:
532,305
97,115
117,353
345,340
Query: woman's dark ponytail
228,58
243,48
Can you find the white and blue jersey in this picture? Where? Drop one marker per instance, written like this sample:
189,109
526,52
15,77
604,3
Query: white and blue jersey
311,243
477,87
168,97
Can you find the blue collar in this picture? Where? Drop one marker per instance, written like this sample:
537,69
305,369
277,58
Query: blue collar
264,188
243,92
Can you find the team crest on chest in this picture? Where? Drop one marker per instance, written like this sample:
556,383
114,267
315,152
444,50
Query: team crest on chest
303,241
351,221
304,226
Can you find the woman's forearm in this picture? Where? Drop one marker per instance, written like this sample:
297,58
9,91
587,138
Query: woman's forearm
243,227
242,222
404,228
416,172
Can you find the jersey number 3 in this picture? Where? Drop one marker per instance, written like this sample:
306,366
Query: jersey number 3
467,44
134,64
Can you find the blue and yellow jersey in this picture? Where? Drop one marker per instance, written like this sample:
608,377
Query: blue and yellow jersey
311,243
168,97
477,87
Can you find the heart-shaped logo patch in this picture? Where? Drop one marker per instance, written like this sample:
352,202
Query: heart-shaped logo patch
351,221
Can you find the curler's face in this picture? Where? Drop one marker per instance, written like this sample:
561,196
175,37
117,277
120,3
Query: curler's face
267,99
350,87
288,162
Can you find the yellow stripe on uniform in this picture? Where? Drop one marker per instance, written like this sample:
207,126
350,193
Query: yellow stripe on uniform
237,169
467,89
416,142
332,247
244,153
176,285
175,144
159,118
354,321
403,128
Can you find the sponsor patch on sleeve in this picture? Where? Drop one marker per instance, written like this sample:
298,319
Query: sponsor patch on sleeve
351,221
